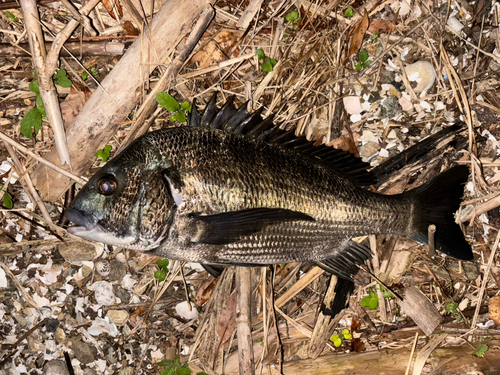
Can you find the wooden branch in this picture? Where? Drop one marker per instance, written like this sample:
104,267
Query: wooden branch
244,320
449,360
85,48
97,122
140,127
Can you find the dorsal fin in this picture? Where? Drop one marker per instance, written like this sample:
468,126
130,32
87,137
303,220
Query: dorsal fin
253,126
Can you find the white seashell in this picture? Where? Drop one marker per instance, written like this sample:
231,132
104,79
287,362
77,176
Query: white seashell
423,73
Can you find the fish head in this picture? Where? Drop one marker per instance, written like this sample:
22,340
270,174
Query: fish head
126,203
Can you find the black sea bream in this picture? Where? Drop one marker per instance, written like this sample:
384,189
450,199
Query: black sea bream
235,189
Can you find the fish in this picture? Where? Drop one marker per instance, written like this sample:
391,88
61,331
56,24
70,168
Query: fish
234,188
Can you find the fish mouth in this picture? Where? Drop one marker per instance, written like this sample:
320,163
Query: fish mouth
87,228
85,221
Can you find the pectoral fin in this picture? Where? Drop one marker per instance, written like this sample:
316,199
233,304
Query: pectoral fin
228,227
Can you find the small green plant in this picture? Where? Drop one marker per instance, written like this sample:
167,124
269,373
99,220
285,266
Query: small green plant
32,120
371,300
261,341
293,18
92,71
481,350
11,16
267,63
168,102
363,60
387,294
161,274
174,367
349,12
104,153
452,308
374,37
61,79
7,198
337,339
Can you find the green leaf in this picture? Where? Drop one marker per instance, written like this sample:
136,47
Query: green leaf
161,274
39,105
337,341
186,106
162,263
34,87
363,55
371,300
481,350
94,71
84,75
366,63
104,153
11,16
61,79
451,308
358,67
168,371
165,362
267,65
260,54
179,116
347,336
7,200
201,373
32,119
167,101
349,12
183,371
292,16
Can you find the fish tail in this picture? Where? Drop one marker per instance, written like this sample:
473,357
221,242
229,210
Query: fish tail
436,203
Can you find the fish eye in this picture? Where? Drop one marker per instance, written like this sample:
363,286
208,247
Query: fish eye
107,186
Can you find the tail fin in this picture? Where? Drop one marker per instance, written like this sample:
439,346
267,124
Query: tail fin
435,203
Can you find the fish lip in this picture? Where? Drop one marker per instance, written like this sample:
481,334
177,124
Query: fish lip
84,220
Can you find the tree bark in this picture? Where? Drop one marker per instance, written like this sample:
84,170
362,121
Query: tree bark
113,101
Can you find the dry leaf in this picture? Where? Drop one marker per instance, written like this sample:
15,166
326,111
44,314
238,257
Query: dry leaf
357,345
381,26
72,105
344,144
129,29
205,291
227,320
357,35
112,7
136,313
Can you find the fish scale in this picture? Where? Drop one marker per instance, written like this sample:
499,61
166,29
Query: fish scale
233,188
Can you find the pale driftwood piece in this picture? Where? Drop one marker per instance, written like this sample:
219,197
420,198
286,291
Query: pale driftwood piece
426,351
449,360
323,329
421,310
249,13
85,48
39,159
244,320
97,122
46,65
140,125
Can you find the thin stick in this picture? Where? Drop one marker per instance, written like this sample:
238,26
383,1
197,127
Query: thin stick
432,245
49,164
415,341
485,280
244,320
26,180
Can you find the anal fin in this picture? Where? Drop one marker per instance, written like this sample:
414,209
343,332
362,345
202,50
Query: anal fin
346,261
